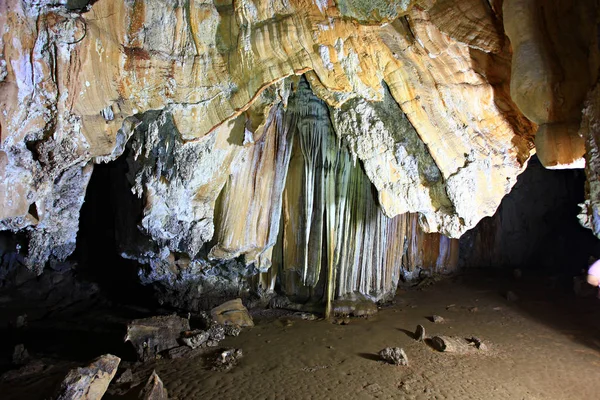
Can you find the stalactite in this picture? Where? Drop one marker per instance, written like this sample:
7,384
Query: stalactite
250,227
314,130
336,209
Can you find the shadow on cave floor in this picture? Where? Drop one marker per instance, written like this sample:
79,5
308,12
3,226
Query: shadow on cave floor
78,311
545,299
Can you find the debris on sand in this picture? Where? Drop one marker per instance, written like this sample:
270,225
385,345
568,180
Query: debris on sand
341,320
511,296
150,336
306,316
394,355
178,352
232,330
458,345
20,355
216,332
478,343
227,359
91,382
154,389
194,339
437,319
420,333
356,305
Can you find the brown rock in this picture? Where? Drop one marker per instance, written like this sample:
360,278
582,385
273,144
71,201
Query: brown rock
552,72
154,389
150,336
91,382
436,319
232,312
450,344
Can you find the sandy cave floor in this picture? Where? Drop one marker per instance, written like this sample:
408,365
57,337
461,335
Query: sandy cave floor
545,345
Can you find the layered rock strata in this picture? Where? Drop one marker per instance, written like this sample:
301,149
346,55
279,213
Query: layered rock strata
224,161
555,62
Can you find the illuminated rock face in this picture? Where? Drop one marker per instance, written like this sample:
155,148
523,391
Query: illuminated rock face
300,138
552,72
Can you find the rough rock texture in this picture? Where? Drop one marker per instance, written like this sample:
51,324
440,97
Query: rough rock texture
154,389
91,382
394,355
552,71
232,312
195,339
150,336
590,129
241,168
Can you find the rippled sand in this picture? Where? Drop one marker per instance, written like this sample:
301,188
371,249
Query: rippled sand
543,346
539,348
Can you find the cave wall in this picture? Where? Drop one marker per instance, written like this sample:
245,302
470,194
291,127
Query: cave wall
294,212
293,143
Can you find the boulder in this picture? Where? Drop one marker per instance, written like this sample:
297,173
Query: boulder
91,382
232,312
150,336
420,333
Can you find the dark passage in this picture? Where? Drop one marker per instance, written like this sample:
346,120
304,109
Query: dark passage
108,202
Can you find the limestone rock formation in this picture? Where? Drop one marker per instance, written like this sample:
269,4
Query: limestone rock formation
590,130
254,132
552,71
150,336
232,312
91,382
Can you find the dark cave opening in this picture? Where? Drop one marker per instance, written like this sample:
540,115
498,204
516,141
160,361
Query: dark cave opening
536,227
108,201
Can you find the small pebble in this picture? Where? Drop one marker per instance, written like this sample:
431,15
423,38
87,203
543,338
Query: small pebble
511,296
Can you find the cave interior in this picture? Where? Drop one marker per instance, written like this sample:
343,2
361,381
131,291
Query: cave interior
301,199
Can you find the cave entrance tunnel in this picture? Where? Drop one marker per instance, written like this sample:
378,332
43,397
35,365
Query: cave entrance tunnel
534,253
536,228
107,200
